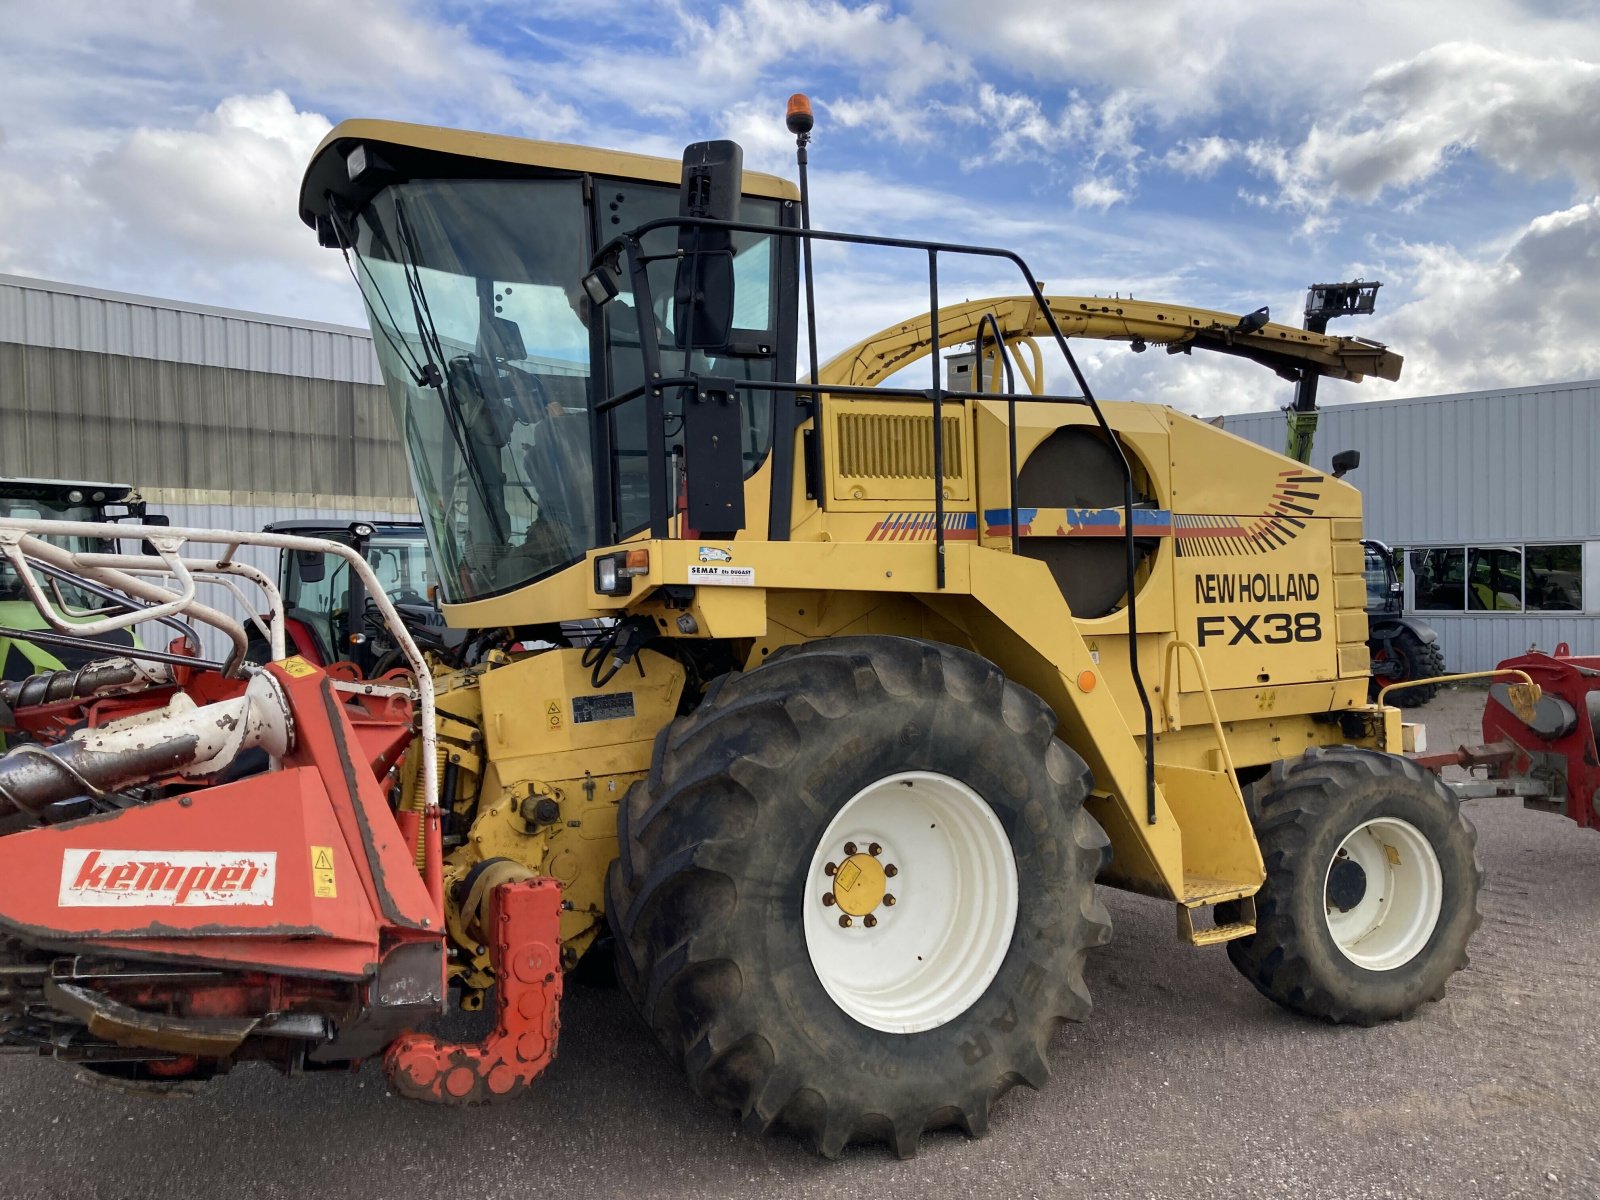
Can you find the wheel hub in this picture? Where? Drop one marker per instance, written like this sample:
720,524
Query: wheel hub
860,884
1347,884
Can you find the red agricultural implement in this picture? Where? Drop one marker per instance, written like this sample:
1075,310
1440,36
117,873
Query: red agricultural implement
213,862
1545,753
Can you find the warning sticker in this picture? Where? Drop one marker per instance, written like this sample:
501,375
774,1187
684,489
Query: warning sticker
552,714
613,706
322,884
297,667
723,576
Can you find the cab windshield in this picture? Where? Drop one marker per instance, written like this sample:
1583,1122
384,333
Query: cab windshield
494,362
35,509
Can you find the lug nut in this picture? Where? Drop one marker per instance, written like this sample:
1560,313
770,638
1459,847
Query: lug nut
891,870
869,920
844,921
849,848
874,849
888,898
830,869
827,899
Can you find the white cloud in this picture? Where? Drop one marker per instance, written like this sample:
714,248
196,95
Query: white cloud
1502,318
1097,193
226,188
1534,117
207,211
1199,158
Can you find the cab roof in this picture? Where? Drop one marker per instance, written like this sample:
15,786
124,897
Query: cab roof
398,150
55,490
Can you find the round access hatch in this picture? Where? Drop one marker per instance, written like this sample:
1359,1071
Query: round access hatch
1075,467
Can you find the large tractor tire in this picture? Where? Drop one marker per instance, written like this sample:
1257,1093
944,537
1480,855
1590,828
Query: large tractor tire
1406,656
854,895
1372,888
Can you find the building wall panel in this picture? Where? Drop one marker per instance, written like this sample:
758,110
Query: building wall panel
176,425
1514,465
36,312
1479,642
1511,465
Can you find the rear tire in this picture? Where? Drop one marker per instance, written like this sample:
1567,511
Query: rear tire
748,978
1413,658
1371,890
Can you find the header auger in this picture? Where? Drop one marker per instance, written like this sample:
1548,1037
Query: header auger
820,702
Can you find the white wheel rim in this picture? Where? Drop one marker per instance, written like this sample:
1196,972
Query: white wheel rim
926,956
1398,908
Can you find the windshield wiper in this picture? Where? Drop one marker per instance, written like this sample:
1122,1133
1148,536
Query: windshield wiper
437,378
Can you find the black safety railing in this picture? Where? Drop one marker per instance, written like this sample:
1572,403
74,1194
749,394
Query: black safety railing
787,395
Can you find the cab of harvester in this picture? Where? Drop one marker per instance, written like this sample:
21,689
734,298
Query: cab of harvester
821,694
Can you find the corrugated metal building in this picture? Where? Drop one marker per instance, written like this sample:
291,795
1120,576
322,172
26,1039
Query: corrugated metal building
1496,494
222,419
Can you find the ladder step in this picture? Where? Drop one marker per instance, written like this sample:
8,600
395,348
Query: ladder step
1244,926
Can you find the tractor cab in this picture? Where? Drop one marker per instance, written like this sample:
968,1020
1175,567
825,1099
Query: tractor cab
329,616
59,500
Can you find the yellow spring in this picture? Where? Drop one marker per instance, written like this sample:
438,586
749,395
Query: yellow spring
411,799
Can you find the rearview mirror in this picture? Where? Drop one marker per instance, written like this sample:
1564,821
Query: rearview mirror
703,291
1344,462
310,565
159,519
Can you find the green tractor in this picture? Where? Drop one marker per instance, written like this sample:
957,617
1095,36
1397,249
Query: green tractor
27,645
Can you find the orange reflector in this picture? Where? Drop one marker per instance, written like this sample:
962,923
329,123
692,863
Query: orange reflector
638,562
1086,681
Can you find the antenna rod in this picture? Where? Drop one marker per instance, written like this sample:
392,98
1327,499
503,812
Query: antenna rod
799,120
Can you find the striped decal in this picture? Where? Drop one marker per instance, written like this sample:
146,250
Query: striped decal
1196,536
1225,537
920,526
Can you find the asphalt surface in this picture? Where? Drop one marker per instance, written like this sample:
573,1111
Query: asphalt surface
1183,1083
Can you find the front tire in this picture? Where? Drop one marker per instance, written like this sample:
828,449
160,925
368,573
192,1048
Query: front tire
943,988
1371,890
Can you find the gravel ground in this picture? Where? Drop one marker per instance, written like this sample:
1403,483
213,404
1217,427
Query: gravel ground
1184,1083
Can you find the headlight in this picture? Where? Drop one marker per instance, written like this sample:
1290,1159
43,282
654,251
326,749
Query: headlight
613,573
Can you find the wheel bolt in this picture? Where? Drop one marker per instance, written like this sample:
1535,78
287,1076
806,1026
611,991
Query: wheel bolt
874,849
830,869
869,920
844,921
827,899
891,870
888,898
849,848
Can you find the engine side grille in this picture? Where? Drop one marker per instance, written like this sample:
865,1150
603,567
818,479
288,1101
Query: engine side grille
895,446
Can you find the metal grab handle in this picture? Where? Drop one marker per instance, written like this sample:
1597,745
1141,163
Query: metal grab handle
1523,696
1168,691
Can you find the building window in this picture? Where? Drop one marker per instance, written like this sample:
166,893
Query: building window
1555,578
1500,579
1440,575
1494,578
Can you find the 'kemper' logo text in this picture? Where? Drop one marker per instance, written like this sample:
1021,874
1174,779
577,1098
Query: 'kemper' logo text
166,878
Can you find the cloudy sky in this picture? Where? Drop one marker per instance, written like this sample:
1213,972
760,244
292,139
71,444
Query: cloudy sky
1224,155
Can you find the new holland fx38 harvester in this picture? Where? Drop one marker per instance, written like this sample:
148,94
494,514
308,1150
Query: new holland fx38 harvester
820,694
